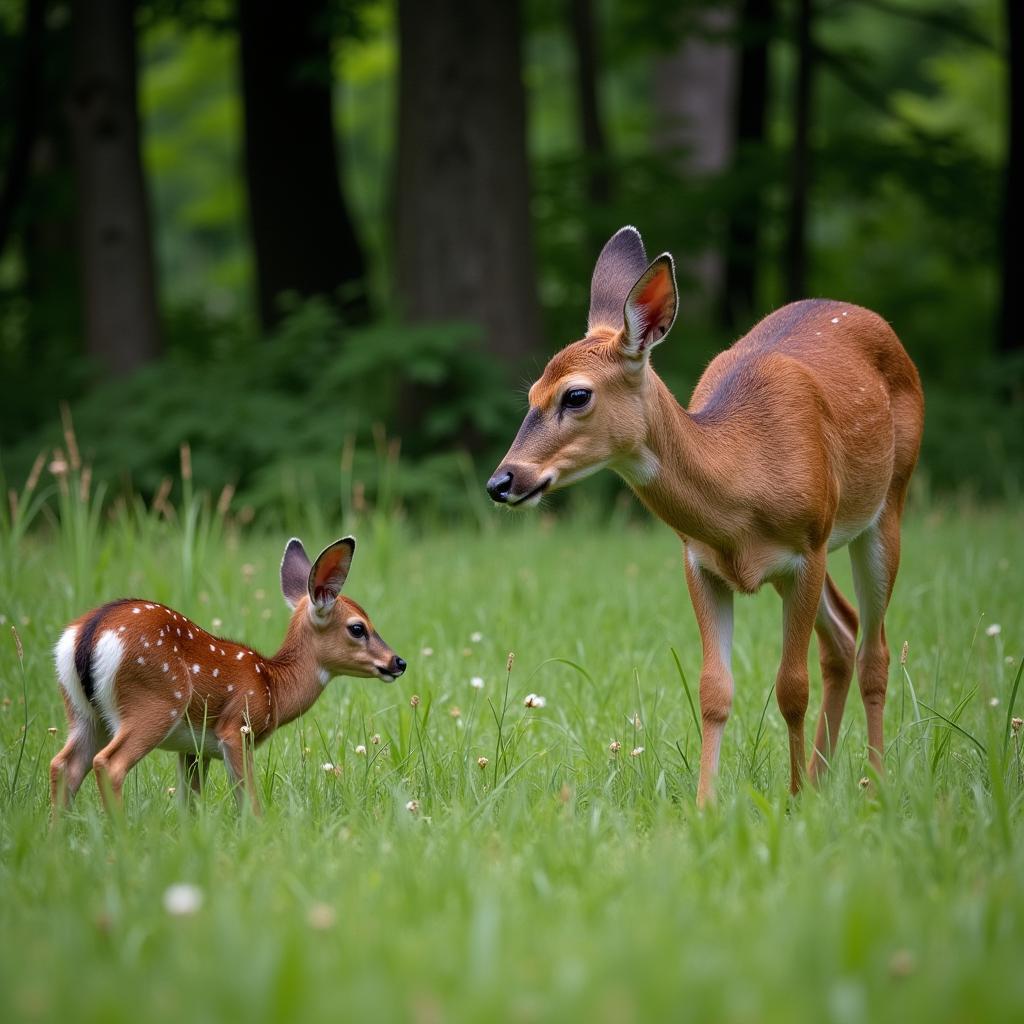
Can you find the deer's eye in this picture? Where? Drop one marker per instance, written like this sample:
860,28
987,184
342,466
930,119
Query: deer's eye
357,629
576,398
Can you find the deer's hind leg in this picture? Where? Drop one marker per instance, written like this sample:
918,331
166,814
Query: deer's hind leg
73,762
135,738
875,557
836,627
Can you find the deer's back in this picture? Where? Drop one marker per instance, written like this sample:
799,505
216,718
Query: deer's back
822,387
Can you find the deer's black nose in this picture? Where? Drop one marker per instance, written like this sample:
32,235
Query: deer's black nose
500,485
398,665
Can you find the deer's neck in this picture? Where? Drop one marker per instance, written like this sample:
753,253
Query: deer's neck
696,471
297,679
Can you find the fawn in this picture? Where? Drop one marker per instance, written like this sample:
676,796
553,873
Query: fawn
136,675
799,439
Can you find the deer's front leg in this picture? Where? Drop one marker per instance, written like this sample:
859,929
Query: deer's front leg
801,594
238,760
712,604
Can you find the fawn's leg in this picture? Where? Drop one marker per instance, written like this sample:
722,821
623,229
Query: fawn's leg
72,763
240,765
801,595
836,626
192,770
134,739
712,604
875,557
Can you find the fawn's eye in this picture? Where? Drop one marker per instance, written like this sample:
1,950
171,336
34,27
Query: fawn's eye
576,398
357,629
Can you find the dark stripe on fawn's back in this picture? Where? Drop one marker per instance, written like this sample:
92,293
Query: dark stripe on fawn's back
86,640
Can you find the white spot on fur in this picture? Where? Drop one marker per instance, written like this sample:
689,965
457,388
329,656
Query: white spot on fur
190,634
259,668
174,713
178,631
231,688
64,658
835,319
159,643
195,670
177,694
216,672
150,606
211,647
251,692
166,667
136,611
240,655
222,652
324,676
106,660
141,660
121,629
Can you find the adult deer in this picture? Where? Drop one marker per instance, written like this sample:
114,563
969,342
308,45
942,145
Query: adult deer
800,438
137,675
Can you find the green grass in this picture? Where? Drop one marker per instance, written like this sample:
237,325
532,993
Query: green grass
559,882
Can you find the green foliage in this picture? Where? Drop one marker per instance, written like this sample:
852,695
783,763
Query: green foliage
271,417
561,881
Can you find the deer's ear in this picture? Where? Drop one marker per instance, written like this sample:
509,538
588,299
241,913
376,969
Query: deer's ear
650,308
329,572
621,262
294,572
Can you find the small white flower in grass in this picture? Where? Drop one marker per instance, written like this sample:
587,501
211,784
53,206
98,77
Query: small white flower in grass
994,702
534,700
245,730
52,730
327,766
183,899
482,762
375,739
477,683
217,623
361,749
1015,725
476,637
413,806
426,651
636,751
615,746
994,630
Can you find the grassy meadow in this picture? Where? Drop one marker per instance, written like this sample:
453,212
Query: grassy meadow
560,881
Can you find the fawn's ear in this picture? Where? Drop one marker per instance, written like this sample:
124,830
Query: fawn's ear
294,572
328,574
650,308
621,262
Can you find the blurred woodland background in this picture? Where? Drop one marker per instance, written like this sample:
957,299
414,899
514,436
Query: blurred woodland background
330,240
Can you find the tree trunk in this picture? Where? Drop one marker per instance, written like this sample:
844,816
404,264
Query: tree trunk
1011,334
591,123
114,242
303,234
25,116
462,205
693,95
800,177
757,19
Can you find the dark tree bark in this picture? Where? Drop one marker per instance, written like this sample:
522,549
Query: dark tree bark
303,234
25,116
591,122
1011,335
693,96
462,209
114,241
756,25
800,177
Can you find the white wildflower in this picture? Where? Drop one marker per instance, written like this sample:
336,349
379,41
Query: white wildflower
183,899
534,700
477,683
994,630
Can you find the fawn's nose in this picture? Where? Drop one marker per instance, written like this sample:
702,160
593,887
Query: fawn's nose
398,665
500,485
